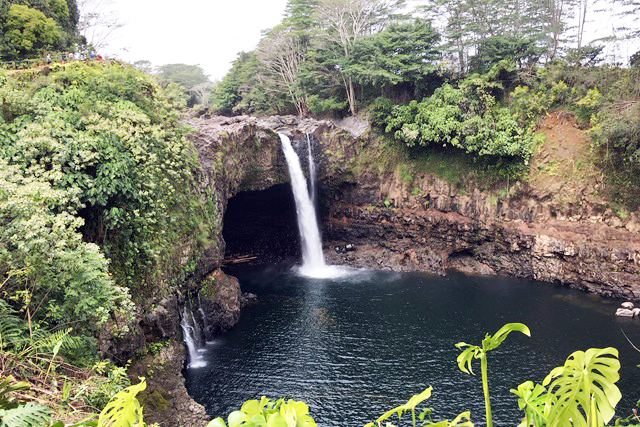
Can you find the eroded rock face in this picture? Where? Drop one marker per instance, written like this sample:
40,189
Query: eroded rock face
222,300
236,154
418,224
425,223
166,400
431,226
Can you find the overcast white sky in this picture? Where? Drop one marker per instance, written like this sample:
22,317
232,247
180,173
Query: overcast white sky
208,33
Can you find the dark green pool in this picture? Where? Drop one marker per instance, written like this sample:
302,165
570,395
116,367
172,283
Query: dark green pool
355,347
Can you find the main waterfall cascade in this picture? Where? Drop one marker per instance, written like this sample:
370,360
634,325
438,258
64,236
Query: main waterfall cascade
313,264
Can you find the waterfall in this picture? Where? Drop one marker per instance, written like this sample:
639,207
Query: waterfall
197,330
312,171
205,326
313,264
312,256
195,358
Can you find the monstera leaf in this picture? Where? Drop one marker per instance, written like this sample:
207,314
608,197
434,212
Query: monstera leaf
533,400
8,385
27,415
490,342
266,413
411,405
462,420
124,410
584,389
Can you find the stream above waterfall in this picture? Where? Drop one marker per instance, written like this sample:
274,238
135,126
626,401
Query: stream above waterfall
356,346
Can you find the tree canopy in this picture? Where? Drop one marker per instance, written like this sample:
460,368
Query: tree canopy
28,28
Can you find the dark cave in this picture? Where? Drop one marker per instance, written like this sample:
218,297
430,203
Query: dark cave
262,224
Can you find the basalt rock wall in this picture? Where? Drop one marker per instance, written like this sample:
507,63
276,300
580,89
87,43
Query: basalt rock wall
429,224
236,155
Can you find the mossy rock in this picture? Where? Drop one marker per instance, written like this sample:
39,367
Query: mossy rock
157,400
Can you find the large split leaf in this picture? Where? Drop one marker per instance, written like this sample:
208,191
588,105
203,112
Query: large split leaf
27,415
584,387
124,410
533,399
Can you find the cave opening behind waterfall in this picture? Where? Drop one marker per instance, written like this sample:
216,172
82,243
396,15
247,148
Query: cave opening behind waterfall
260,226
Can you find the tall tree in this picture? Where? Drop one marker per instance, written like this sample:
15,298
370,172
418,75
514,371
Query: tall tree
98,22
190,77
403,53
344,22
29,27
28,32
239,91
280,53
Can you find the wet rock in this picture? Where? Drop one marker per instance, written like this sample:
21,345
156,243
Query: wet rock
222,300
162,322
628,305
636,312
623,312
249,297
166,400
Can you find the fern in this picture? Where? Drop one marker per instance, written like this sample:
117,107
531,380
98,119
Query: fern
12,328
124,410
45,342
27,415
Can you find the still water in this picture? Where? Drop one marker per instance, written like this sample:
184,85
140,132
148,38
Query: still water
355,347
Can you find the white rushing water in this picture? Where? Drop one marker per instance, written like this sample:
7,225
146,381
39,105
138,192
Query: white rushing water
312,171
195,358
313,264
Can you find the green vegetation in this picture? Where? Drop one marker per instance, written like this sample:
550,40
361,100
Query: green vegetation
30,28
470,352
450,76
467,118
99,199
581,393
190,77
97,185
279,413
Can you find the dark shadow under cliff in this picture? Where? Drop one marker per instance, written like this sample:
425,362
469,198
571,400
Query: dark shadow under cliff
262,224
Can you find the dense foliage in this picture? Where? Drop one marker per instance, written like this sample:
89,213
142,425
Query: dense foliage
96,190
30,28
468,117
453,75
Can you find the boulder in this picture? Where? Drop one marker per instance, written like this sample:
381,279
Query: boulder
636,312
623,312
628,305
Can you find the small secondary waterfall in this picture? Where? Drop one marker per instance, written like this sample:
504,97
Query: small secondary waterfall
190,339
312,256
312,171
205,326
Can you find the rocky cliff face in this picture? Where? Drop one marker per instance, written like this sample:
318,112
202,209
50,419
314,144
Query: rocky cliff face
236,155
428,224
437,227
